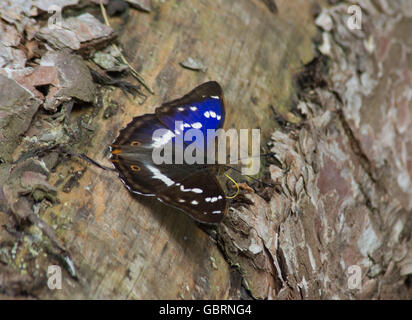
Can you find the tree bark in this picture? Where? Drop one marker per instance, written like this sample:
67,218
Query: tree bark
334,104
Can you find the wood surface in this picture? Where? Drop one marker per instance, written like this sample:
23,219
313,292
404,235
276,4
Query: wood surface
133,247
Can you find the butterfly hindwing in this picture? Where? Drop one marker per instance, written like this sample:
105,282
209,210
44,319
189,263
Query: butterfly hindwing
200,195
137,172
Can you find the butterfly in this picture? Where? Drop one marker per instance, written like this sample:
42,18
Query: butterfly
191,188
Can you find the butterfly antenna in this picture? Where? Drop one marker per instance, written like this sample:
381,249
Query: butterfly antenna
254,179
62,149
86,158
236,184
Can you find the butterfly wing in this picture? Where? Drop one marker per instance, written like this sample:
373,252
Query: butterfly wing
132,155
203,108
139,132
199,195
190,188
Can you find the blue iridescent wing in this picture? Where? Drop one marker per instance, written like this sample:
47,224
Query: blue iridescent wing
202,109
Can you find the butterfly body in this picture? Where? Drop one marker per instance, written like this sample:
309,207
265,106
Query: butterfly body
190,187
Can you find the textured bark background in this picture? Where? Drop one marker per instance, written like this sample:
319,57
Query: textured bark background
334,104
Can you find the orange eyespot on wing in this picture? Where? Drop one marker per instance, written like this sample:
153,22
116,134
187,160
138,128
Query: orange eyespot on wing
135,143
135,167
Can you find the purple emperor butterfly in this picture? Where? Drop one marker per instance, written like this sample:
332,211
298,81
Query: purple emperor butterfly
192,188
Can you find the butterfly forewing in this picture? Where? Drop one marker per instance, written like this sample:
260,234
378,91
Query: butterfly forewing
139,132
201,109
132,154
